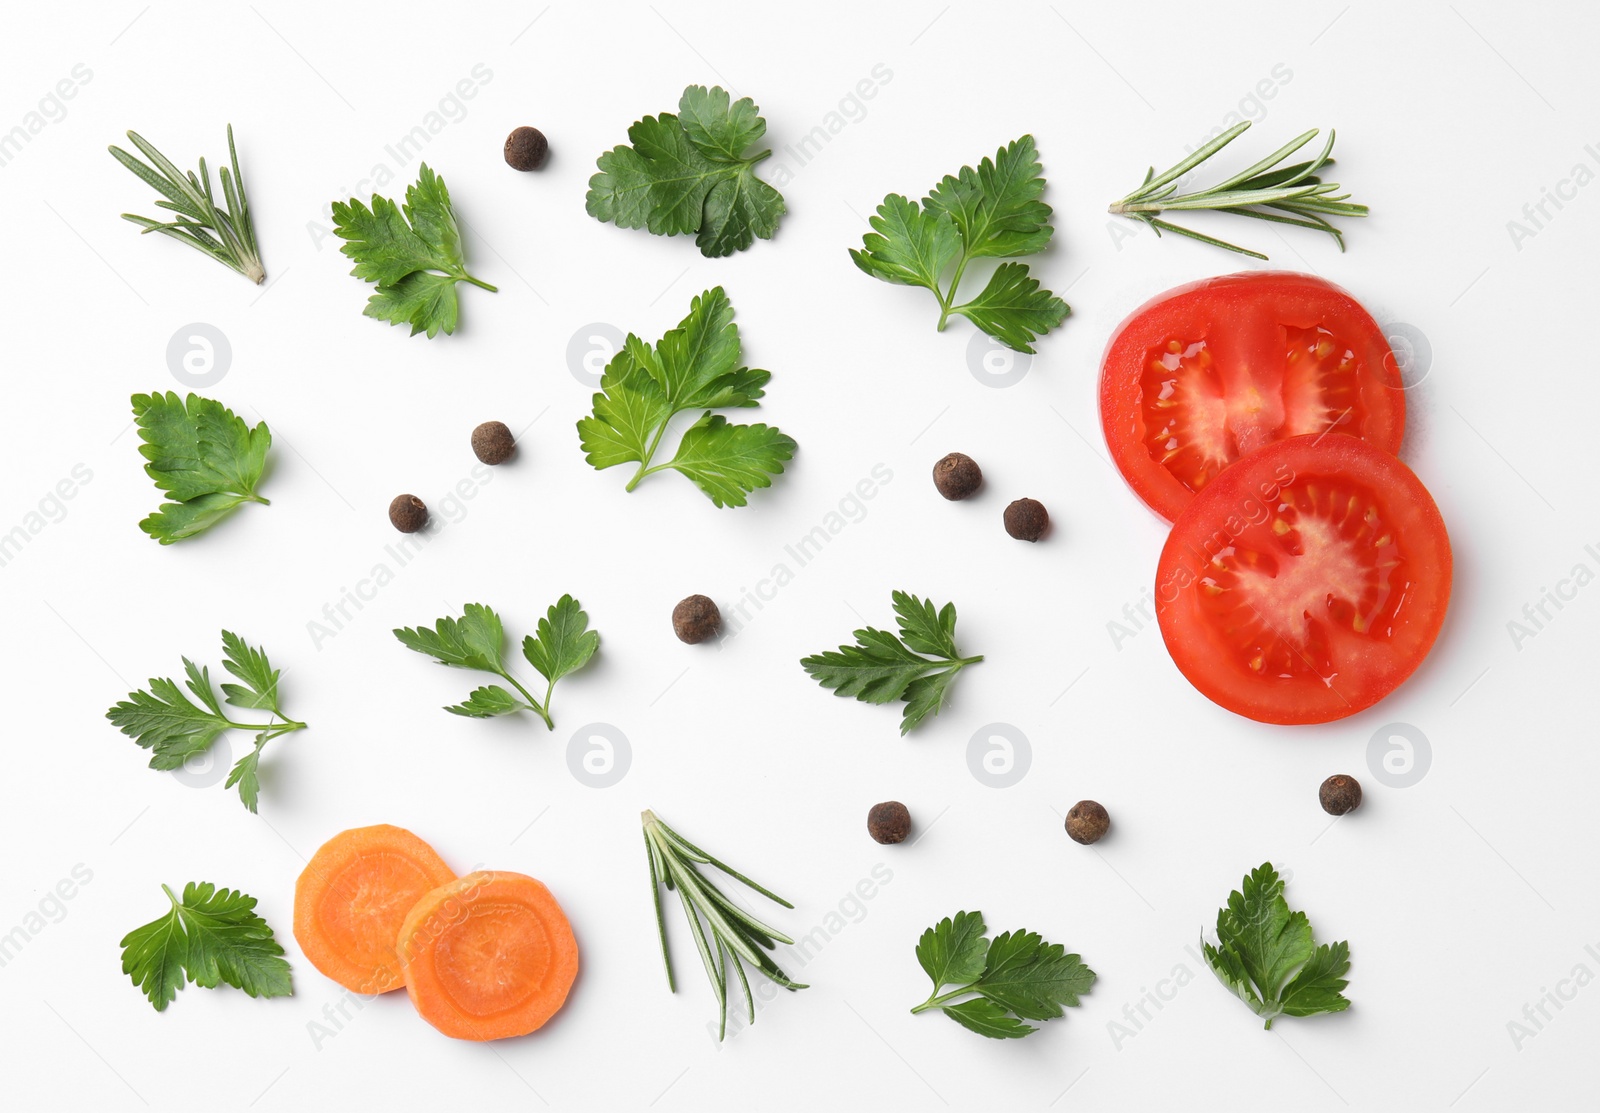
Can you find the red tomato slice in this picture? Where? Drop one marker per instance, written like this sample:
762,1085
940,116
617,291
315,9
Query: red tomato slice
1305,582
1208,372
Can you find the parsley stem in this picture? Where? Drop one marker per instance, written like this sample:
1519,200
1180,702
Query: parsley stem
946,300
533,703
939,1000
479,283
644,471
649,454
287,726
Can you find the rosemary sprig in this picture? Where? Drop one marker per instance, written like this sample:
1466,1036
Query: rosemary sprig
1264,191
224,234
724,934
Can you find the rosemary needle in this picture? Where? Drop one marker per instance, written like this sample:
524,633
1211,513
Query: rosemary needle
1265,191
724,934
225,234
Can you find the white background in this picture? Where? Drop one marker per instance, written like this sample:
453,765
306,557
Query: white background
1465,896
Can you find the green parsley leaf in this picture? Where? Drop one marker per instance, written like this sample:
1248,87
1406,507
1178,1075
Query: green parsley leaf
689,173
910,245
729,461
660,183
987,1018
488,702
695,366
723,131
416,265
1016,977
203,456
245,774
1317,987
924,696
1032,978
953,951
917,666
564,643
260,689
996,207
1267,958
210,937
165,721
1013,308
992,212
423,300
175,728
875,670
925,629
476,641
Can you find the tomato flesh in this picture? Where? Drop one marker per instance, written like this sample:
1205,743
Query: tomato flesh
1306,582
1209,372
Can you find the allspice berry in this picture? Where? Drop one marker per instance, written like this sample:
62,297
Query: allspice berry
1339,794
695,619
408,513
493,443
957,476
526,148
1087,822
889,822
1027,519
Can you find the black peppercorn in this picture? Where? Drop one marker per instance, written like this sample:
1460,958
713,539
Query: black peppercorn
493,443
695,619
1339,794
526,148
957,476
1087,822
1027,519
889,822
408,513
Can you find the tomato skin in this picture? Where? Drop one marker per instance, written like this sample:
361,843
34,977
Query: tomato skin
1244,319
1269,511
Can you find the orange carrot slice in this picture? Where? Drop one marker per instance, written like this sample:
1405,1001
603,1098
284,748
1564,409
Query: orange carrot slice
488,956
352,898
